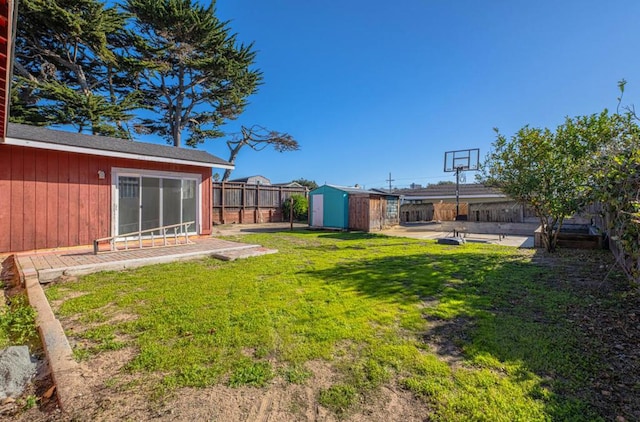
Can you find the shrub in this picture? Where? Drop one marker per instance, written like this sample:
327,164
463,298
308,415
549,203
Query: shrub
300,208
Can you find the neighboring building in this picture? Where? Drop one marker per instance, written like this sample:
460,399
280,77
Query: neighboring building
289,185
469,193
338,207
253,180
63,189
476,203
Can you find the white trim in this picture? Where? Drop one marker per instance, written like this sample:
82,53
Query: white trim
129,172
107,153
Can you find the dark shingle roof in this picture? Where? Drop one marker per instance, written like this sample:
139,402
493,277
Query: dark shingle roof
358,191
109,144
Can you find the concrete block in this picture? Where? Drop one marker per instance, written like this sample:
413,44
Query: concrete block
456,241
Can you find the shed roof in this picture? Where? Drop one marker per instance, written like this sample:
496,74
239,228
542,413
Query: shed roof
40,137
358,191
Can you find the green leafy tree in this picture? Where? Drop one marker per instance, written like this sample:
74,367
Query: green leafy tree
548,170
617,188
191,69
616,174
300,207
67,68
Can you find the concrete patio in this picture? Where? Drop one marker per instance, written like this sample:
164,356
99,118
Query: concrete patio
50,264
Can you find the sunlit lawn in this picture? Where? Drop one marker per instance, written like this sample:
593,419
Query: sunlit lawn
478,331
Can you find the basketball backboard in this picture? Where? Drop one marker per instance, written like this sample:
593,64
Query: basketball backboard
462,160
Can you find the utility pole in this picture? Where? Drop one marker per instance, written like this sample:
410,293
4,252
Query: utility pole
390,180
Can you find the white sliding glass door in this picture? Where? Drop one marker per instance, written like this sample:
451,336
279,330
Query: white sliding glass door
146,201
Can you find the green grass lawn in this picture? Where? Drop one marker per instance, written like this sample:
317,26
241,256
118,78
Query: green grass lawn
478,332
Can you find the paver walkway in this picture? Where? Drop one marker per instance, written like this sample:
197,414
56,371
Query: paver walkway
49,265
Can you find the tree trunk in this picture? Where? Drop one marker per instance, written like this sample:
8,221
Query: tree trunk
549,240
234,150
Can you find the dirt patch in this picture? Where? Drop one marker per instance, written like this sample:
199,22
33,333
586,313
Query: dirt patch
446,338
118,395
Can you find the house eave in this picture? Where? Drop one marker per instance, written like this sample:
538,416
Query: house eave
107,153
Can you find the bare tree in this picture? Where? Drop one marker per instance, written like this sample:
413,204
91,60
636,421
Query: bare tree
258,138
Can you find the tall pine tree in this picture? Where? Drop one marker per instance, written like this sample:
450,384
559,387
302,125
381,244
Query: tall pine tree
67,68
192,70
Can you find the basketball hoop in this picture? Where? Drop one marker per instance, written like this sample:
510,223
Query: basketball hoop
462,160
459,161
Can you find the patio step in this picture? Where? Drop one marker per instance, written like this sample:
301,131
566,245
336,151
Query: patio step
232,255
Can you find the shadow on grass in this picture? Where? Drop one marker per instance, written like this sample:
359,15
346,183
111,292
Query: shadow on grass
495,311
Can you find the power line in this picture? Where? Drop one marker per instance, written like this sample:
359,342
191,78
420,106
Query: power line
381,182
390,180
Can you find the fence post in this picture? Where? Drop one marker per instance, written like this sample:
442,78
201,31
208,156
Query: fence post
291,211
256,218
280,201
222,202
243,200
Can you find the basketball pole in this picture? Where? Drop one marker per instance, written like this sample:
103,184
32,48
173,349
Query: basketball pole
457,192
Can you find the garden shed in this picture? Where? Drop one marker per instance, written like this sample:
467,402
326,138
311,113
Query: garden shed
339,207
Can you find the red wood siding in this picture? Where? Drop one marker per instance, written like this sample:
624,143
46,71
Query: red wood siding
5,199
17,207
51,199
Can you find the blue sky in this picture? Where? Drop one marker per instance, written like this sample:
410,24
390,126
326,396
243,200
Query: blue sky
374,87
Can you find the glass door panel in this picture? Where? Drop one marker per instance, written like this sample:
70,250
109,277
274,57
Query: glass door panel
128,204
189,210
171,194
150,210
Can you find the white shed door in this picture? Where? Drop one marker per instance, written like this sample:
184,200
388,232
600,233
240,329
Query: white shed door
317,211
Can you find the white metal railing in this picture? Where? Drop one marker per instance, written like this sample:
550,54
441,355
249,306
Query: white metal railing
148,235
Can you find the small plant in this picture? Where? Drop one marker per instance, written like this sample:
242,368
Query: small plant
17,322
300,208
104,338
256,374
338,398
30,402
81,354
297,374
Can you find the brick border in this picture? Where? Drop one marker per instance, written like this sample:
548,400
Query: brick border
65,371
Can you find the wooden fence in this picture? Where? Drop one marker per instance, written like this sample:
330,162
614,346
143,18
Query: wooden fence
247,204
497,212
416,212
446,211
